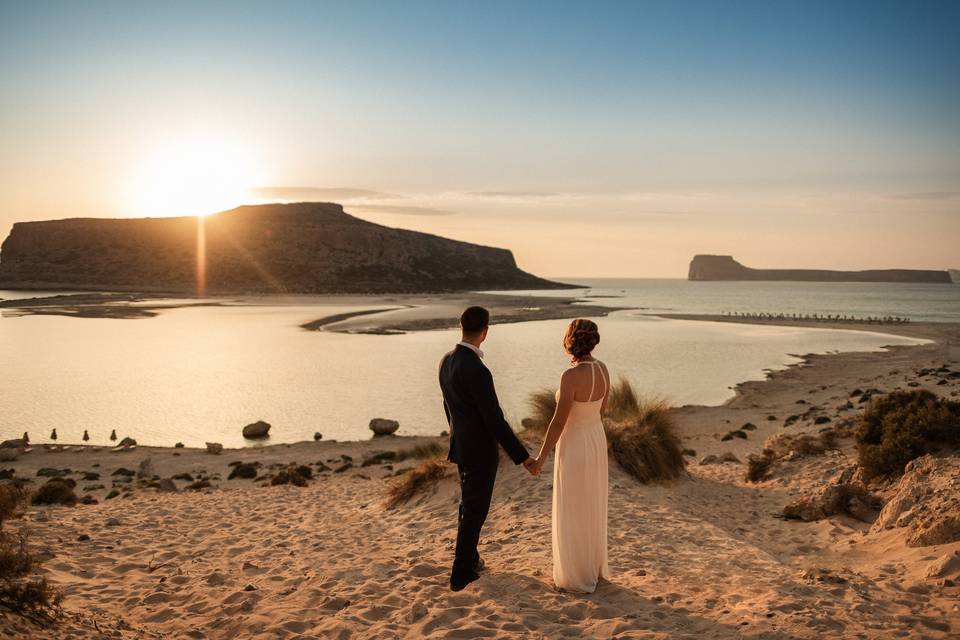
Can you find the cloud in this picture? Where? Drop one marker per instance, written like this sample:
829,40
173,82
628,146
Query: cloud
404,210
928,195
514,194
321,193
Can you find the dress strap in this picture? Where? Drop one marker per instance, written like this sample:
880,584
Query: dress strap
593,377
606,384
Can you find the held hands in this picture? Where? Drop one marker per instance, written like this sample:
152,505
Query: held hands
533,465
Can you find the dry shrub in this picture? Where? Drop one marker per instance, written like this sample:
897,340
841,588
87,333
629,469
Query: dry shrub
904,425
21,592
415,482
644,443
295,475
12,495
56,491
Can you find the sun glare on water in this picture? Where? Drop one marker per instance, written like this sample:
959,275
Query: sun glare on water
192,177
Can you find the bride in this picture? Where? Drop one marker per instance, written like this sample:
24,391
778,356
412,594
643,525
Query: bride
580,470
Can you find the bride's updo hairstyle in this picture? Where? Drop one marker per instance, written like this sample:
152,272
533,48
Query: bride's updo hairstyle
581,337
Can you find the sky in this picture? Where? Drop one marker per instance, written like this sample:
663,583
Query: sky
603,139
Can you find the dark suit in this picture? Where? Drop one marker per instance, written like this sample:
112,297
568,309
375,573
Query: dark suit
477,425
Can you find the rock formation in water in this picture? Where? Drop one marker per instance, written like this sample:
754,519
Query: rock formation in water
707,267
273,248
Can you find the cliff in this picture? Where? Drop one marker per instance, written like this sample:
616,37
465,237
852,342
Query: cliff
289,248
706,267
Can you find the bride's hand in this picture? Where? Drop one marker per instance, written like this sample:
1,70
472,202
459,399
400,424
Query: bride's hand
538,465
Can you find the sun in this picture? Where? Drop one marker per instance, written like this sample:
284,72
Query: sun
196,176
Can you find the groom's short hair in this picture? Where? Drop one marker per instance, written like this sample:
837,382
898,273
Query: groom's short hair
474,320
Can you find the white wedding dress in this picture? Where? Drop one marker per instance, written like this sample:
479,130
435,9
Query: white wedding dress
580,494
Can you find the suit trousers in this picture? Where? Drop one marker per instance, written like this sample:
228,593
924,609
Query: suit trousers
476,490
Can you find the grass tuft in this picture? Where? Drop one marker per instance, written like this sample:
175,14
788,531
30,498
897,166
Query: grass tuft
640,433
542,405
415,482
644,443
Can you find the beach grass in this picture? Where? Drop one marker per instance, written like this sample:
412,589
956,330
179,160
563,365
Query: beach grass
640,433
417,481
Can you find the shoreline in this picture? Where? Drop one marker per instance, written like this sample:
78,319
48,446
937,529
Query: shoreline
407,312
818,387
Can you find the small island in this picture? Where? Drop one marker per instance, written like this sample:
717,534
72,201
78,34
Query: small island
711,267
305,247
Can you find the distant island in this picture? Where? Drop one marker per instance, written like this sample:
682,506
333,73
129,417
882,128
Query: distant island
275,248
708,267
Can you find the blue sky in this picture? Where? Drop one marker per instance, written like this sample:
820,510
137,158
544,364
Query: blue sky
595,128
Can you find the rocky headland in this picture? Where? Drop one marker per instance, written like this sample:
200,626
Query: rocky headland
710,267
274,248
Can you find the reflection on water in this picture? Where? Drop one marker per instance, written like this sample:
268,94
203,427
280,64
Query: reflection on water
200,374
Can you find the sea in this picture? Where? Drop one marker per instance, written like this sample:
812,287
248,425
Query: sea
199,374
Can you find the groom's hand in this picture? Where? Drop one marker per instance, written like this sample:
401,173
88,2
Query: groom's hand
531,465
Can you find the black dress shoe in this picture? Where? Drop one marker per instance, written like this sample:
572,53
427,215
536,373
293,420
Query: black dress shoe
460,583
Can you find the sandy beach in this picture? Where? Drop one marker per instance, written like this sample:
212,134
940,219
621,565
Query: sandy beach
704,557
373,314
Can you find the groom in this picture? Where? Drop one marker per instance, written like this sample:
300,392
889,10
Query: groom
476,426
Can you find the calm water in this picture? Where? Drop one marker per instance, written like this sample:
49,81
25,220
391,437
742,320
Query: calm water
919,302
200,374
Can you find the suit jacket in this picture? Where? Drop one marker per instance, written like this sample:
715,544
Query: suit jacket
473,412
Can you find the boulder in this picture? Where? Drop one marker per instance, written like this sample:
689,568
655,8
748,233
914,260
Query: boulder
127,442
729,457
845,494
167,485
317,437
214,448
179,445
710,459
258,429
945,565
9,455
16,443
383,427
925,502
145,470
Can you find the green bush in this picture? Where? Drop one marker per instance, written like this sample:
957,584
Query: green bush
904,425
